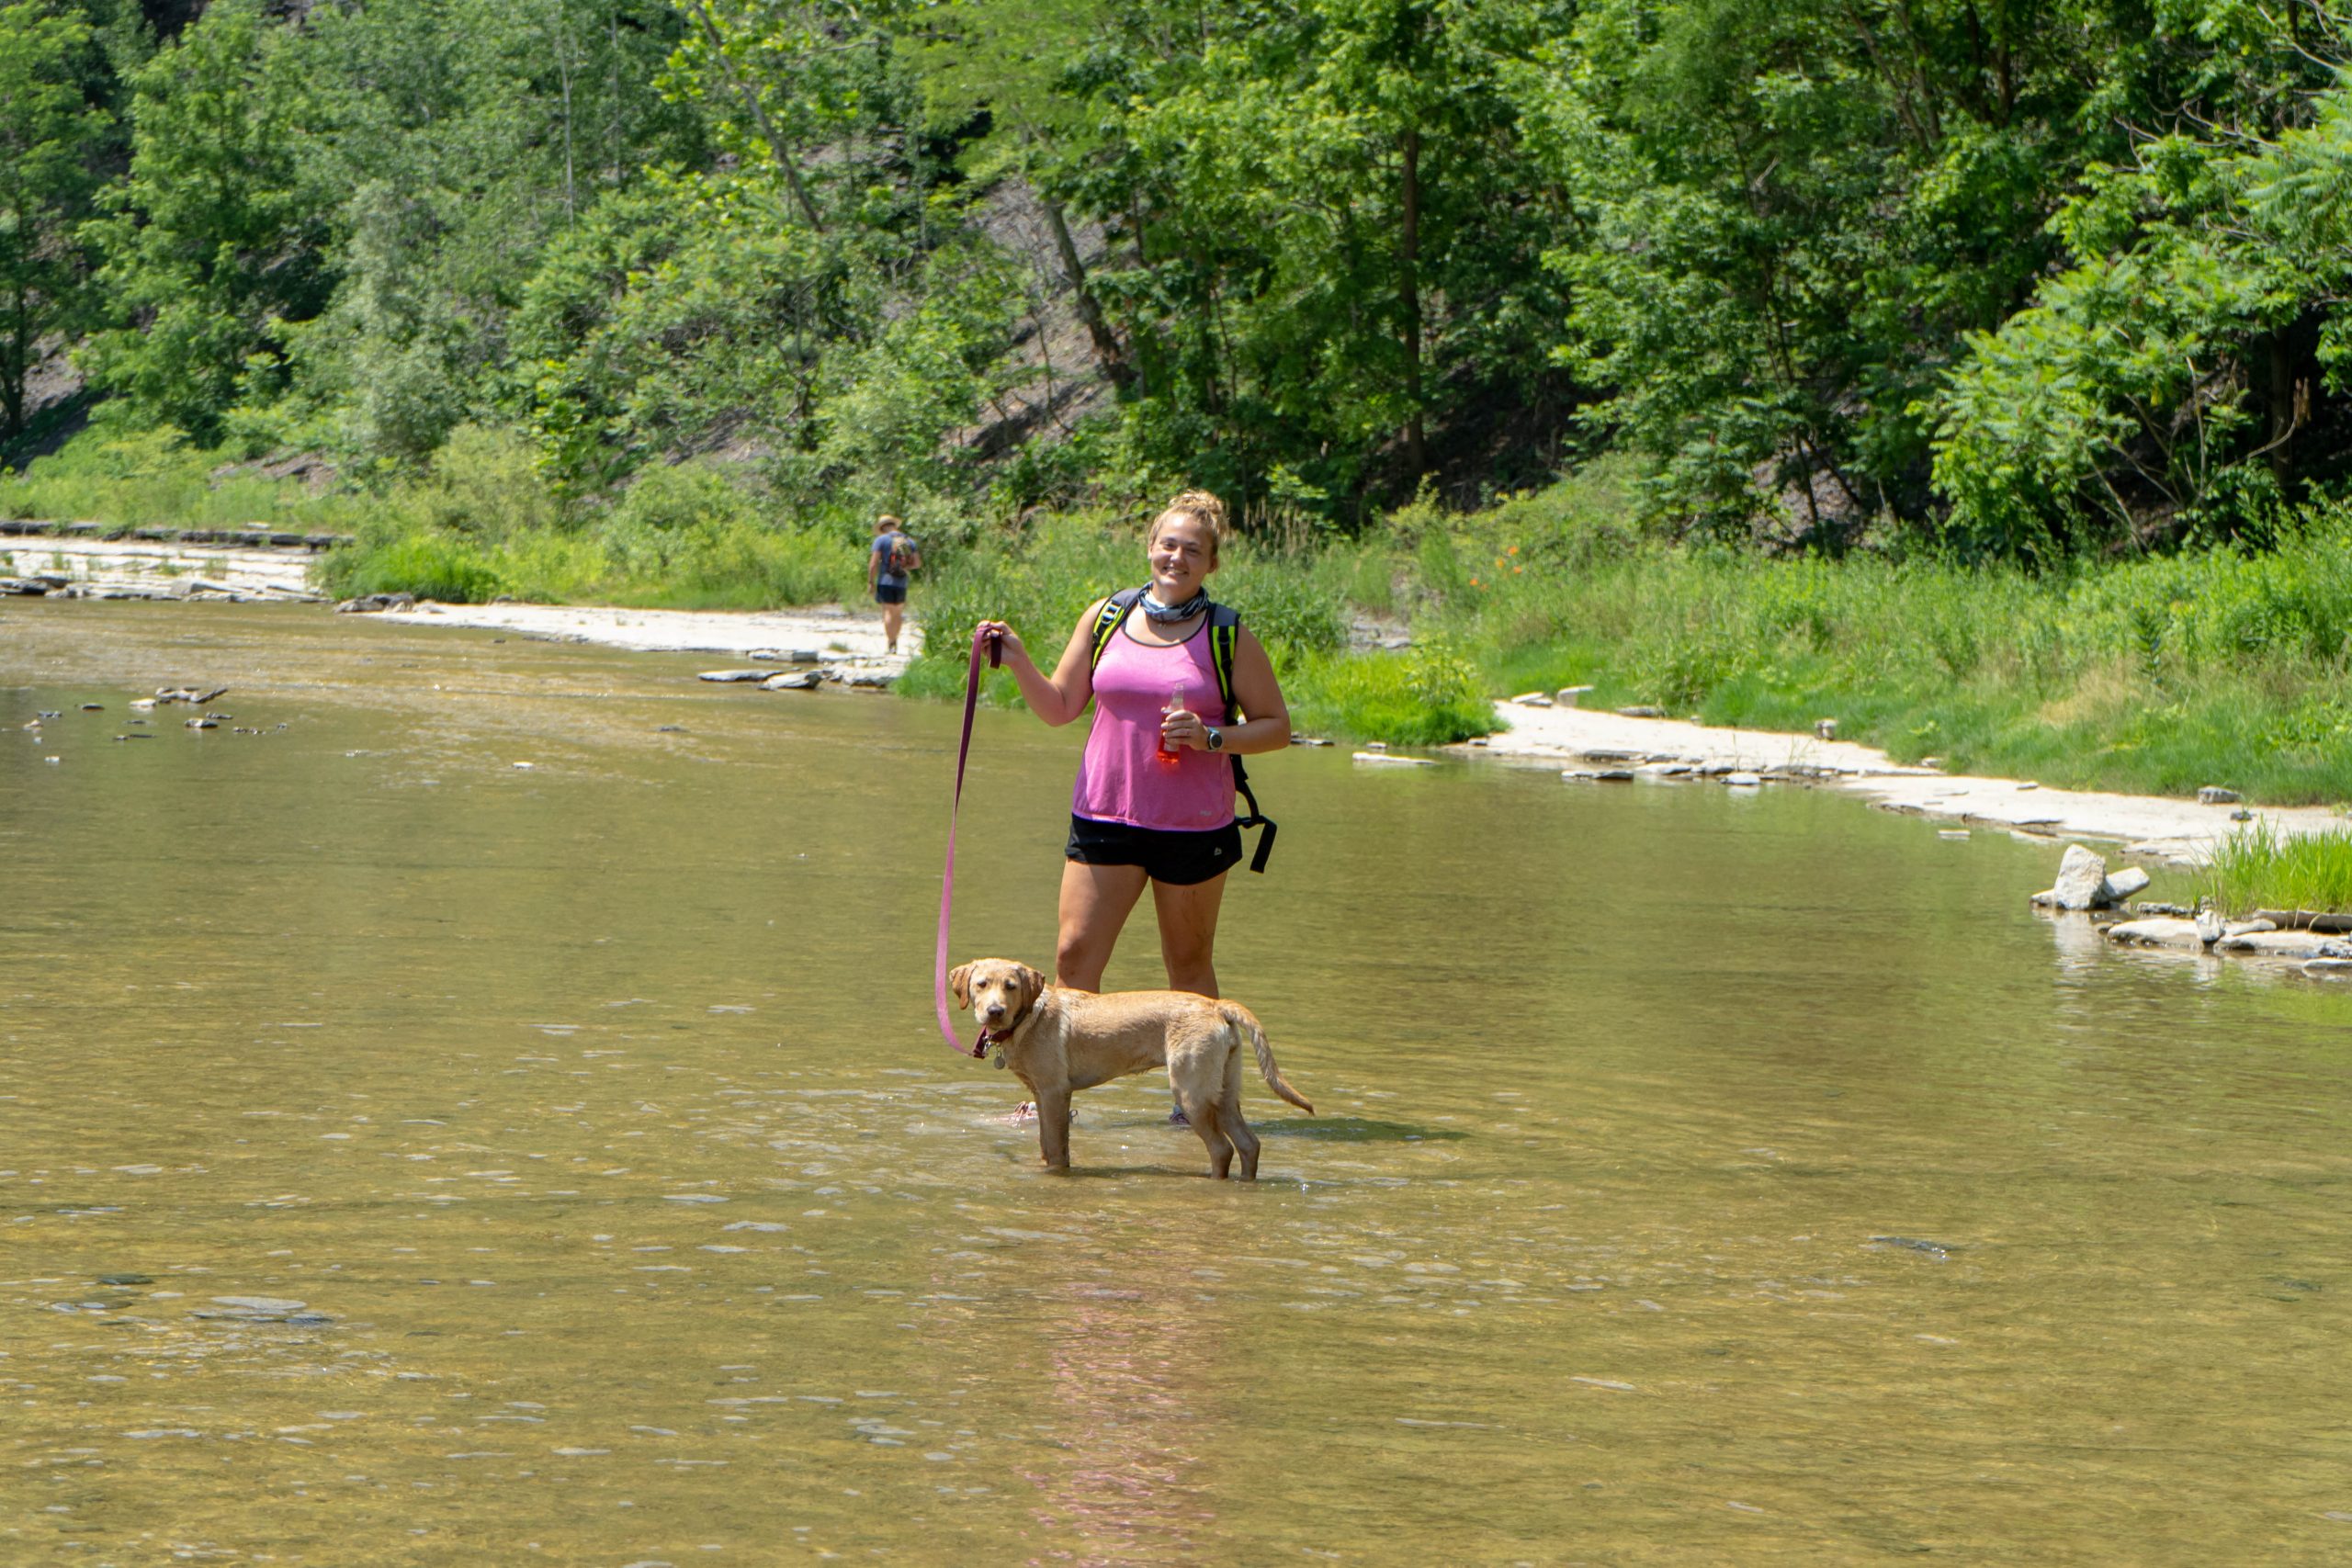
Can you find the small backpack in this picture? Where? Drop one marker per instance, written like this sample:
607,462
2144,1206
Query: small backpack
1225,629
902,559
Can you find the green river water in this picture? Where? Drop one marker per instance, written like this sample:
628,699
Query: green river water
409,1158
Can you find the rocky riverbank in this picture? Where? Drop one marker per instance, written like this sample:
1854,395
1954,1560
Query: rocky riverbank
239,568
840,638
1608,748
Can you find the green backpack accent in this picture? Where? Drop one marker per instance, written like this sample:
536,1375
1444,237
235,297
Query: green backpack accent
1225,630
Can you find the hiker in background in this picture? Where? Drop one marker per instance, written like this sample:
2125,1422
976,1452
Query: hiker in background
887,565
1154,800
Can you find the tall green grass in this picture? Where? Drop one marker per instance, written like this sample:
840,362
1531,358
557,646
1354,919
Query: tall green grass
2153,675
2260,868
154,477
482,524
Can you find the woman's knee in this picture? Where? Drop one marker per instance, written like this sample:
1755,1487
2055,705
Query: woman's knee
1079,958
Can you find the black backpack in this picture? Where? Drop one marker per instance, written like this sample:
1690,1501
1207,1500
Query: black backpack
1225,629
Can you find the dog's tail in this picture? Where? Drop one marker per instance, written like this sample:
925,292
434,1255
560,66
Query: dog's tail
1242,1018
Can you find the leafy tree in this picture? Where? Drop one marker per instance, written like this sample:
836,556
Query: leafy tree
212,243
47,142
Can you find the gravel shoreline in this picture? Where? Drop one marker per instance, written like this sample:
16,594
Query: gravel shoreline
2150,826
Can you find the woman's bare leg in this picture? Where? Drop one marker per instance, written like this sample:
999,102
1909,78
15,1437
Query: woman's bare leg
1188,932
1096,901
1188,941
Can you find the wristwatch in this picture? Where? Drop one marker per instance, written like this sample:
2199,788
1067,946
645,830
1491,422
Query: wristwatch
1216,738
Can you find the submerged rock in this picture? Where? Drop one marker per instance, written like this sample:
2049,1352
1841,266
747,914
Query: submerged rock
2286,945
2162,931
732,677
799,681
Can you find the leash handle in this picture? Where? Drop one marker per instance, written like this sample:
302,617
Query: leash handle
981,642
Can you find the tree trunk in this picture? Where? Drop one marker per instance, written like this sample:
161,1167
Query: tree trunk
1409,280
1107,352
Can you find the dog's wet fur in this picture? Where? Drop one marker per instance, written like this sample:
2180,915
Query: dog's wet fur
1059,1040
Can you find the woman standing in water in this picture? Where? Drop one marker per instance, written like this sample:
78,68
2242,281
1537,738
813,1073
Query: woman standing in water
1154,800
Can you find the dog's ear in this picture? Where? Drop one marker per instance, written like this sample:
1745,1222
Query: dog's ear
1035,982
959,981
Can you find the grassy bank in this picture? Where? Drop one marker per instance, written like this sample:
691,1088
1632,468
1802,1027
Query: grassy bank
2156,675
2257,868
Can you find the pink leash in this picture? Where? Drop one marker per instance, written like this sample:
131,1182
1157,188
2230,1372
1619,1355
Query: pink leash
980,641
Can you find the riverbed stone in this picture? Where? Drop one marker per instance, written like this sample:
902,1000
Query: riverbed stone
1641,710
2122,884
2082,882
1744,780
797,681
2162,931
1392,761
2286,945
732,677
1532,700
2329,969
1569,696
2215,794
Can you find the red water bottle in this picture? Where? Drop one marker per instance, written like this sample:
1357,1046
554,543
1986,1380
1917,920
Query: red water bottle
1169,753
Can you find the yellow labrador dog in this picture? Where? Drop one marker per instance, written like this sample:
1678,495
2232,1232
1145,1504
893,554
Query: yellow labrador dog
1060,1041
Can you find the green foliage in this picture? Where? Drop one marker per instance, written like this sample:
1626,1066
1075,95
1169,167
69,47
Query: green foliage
132,476
49,139
431,566
212,241
1428,696
2260,868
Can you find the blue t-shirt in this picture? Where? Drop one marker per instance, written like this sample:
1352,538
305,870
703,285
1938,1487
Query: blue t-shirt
883,545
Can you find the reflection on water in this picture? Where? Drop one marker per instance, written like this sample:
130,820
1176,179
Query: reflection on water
410,1157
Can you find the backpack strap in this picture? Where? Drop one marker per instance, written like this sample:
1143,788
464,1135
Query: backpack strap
1115,610
1225,631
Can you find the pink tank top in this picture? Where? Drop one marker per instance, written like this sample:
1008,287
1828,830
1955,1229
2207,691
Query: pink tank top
1122,777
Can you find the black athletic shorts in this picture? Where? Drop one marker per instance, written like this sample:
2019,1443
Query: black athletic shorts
1180,858
889,594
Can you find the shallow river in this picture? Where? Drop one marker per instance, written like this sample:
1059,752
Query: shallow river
411,1157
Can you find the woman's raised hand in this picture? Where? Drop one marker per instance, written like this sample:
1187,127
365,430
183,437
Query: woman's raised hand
1008,642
